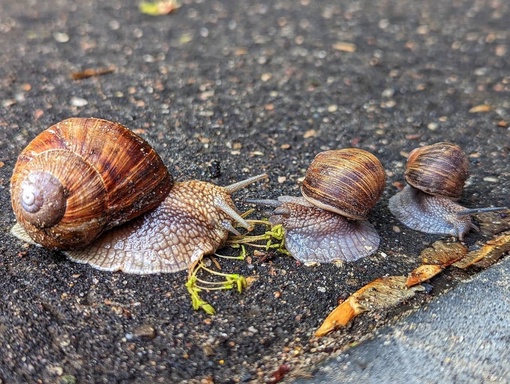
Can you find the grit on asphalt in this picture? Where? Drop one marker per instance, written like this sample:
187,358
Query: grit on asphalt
225,90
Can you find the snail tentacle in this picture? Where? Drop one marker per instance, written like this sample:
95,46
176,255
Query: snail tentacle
266,202
227,224
229,189
231,212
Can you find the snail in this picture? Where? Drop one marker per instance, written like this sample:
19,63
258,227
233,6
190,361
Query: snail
329,222
96,190
435,175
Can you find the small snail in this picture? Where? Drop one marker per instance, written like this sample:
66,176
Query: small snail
99,192
436,175
329,223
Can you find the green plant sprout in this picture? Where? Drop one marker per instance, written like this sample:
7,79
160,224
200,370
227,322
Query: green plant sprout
195,285
271,239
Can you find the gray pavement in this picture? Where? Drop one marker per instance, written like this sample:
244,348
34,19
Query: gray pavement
462,337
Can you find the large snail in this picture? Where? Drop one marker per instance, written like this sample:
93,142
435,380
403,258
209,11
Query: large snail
329,223
98,191
436,175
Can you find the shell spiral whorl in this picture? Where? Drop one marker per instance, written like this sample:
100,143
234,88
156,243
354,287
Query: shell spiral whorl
43,199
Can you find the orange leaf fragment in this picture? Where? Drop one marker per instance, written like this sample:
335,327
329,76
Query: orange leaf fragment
489,253
443,254
435,258
381,293
422,273
339,317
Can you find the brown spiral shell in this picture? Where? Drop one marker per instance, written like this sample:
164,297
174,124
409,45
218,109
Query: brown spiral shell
346,181
440,169
115,176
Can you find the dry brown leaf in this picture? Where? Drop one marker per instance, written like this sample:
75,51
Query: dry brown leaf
443,254
435,258
493,222
250,280
489,253
381,293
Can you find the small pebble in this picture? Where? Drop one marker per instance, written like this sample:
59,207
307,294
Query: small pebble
388,92
266,77
144,331
78,102
388,104
61,37
433,126
344,47
310,133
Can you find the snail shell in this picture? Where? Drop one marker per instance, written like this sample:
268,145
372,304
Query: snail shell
83,176
346,181
439,169
328,224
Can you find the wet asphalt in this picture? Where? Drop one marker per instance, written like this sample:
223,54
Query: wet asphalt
224,90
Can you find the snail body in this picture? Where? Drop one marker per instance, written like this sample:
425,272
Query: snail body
84,176
435,175
329,222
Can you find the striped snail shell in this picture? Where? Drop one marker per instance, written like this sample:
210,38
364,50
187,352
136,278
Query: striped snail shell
346,181
83,176
98,191
440,169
